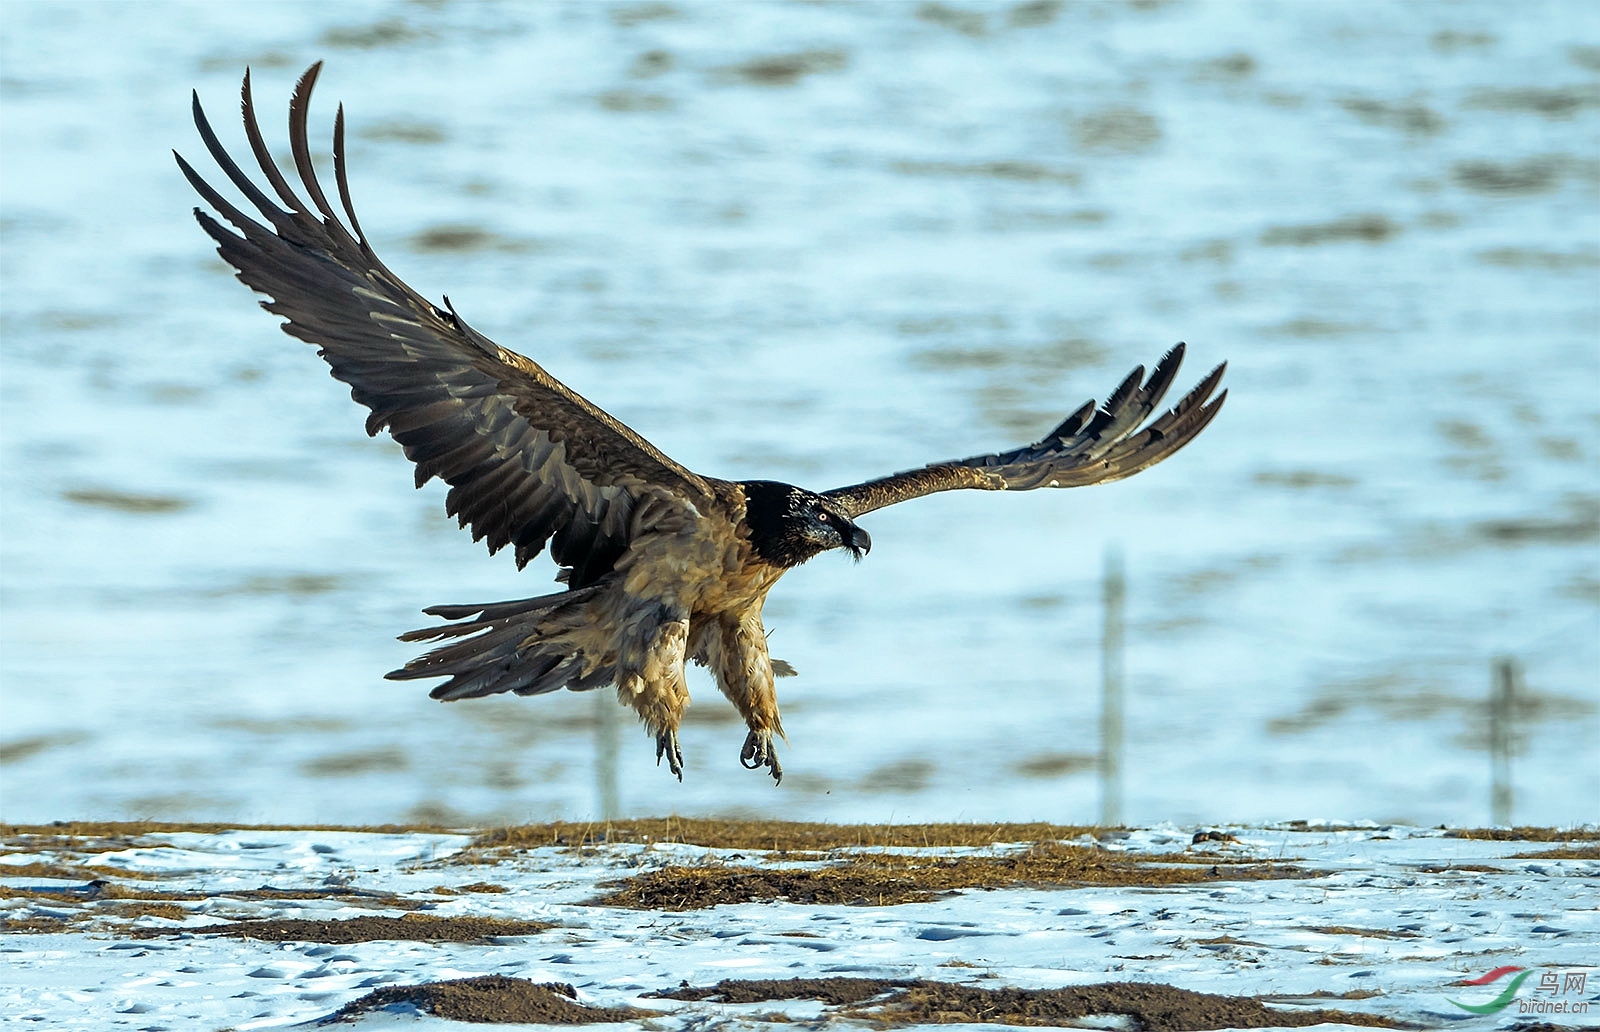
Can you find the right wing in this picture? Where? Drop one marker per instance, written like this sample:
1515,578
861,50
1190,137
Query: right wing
527,459
1091,446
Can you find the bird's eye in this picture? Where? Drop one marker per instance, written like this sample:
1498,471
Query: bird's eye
824,517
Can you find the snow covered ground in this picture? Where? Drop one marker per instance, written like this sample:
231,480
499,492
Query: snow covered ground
1393,917
823,242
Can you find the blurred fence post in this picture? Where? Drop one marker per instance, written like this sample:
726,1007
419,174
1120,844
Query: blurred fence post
1502,708
1114,590
607,747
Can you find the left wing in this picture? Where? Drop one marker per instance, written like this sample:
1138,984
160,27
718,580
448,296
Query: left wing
528,460
1091,446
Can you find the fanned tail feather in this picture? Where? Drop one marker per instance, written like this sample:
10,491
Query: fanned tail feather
509,646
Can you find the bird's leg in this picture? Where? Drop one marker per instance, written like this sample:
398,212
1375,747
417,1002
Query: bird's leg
736,651
760,751
667,745
650,680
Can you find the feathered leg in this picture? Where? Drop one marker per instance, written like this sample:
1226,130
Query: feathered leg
736,651
650,656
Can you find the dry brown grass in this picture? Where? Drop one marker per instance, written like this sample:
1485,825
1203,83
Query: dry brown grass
1321,994
72,834
99,900
475,887
138,908
1370,933
94,891
36,925
70,872
1527,834
777,836
1561,853
886,879
103,890
92,911
102,836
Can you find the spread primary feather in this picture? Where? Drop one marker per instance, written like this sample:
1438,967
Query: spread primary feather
661,565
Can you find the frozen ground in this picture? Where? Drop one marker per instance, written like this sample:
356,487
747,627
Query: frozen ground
1396,916
819,243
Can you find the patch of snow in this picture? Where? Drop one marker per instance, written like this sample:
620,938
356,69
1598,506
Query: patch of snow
1391,913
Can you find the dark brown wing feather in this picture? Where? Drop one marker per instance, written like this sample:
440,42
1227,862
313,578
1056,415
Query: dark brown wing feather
1091,446
527,459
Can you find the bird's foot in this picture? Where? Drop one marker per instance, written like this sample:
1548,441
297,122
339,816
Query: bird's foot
760,751
667,745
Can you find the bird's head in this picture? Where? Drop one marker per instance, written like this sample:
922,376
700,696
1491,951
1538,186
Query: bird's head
789,525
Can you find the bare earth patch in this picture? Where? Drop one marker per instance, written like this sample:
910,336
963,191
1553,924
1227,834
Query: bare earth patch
1153,1007
887,879
492,999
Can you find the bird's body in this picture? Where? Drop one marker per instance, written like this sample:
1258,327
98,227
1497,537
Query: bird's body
662,566
690,587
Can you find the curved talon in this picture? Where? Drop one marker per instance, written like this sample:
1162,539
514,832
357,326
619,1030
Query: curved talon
754,753
667,745
759,752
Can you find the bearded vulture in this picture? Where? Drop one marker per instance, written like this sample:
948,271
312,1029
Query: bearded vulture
661,565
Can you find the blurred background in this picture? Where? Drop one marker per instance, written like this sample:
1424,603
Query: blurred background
821,242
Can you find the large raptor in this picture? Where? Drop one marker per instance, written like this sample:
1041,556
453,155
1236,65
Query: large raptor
661,565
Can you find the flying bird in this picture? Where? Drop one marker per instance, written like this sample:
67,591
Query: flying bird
661,565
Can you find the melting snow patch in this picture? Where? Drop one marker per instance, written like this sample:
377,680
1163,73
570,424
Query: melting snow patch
1380,930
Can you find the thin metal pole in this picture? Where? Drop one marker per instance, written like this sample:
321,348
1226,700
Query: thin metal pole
607,748
1115,591
1502,707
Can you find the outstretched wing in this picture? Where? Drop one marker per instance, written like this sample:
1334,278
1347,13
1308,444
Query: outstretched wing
527,459
1091,446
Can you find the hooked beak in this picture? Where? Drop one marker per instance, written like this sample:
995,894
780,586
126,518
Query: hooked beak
860,542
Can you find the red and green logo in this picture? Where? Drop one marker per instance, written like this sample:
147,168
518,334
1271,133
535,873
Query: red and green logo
1501,1002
